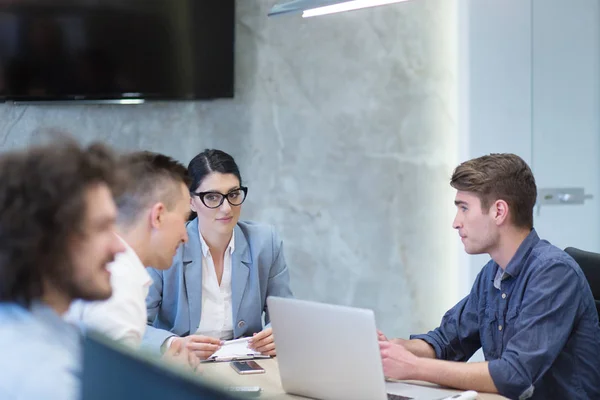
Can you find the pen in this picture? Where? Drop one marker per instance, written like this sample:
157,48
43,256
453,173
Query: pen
244,339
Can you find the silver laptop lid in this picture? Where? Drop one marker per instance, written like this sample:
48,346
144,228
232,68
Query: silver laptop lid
326,351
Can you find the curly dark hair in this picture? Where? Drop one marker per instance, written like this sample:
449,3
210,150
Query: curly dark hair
42,208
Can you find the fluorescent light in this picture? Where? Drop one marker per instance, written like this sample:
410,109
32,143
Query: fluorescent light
347,6
130,101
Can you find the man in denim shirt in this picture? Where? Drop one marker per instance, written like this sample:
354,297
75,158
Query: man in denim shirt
530,309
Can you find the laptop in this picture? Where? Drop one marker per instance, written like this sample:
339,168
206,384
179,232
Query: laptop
331,352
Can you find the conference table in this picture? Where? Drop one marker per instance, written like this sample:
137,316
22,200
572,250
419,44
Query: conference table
269,381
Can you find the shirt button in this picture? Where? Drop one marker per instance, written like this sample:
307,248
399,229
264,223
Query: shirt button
499,327
241,324
503,295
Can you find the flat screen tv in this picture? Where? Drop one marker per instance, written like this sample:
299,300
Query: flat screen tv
116,50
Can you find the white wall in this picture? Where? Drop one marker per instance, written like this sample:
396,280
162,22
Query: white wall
494,86
529,83
566,117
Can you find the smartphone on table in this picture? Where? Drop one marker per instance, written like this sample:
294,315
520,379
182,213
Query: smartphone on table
247,367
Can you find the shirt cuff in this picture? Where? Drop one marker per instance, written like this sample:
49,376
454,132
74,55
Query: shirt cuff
432,342
167,343
508,382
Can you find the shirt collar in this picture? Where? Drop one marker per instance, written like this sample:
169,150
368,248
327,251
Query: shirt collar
43,312
205,249
515,265
500,276
47,316
137,268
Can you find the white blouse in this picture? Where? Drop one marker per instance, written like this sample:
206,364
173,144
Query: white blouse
216,312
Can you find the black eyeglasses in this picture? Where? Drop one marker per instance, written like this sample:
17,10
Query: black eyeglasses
234,197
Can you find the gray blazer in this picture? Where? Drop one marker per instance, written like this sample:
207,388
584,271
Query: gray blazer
258,270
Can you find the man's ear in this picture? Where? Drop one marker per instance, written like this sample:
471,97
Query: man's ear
192,206
500,211
157,215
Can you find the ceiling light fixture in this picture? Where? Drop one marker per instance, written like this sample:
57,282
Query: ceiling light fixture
346,6
314,8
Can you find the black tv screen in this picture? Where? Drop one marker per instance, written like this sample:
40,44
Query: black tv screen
116,49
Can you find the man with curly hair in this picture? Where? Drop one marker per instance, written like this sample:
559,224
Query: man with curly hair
57,220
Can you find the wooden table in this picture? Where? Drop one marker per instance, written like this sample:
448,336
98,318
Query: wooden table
269,381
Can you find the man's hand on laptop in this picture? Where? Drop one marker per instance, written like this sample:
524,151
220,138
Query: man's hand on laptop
263,342
202,346
398,362
382,338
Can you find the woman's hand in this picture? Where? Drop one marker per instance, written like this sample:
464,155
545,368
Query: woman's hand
263,342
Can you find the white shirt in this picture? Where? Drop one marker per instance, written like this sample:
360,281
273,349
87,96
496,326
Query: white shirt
123,316
216,313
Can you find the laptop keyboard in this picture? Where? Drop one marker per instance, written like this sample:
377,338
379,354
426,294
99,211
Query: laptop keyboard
397,397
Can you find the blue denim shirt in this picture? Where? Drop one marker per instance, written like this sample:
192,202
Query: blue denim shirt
539,330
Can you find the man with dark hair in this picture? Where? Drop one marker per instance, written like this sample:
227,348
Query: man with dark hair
531,309
57,218
152,212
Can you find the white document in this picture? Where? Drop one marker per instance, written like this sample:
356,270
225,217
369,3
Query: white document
236,349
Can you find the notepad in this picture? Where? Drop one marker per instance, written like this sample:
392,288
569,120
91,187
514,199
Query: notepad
236,349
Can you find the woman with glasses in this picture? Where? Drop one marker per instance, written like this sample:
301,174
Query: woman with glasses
220,279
